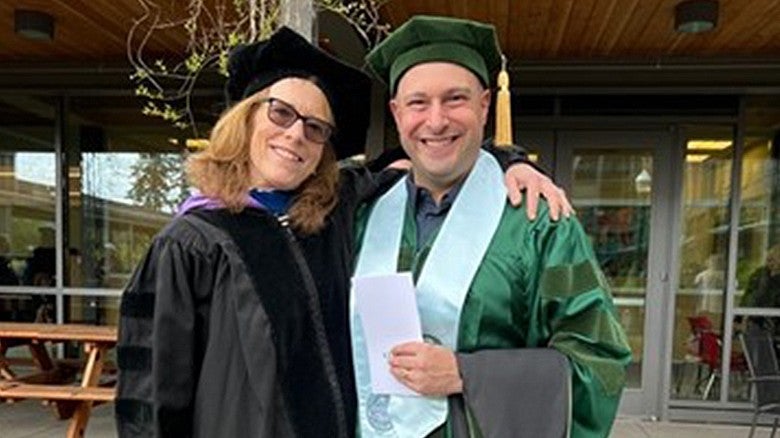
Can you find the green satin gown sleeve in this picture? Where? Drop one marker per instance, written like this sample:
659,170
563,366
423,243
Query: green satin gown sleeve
577,317
538,286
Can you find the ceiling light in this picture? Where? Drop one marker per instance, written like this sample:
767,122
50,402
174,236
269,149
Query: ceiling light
708,145
34,25
694,16
696,158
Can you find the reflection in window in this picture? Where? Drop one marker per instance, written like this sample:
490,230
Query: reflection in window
758,268
28,233
92,310
27,206
611,192
123,200
703,261
125,179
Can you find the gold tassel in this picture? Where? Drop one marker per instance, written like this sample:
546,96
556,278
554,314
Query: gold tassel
503,108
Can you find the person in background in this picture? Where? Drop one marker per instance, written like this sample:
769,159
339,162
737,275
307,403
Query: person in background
39,270
763,290
709,284
7,275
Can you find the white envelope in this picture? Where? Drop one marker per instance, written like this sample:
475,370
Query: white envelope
387,309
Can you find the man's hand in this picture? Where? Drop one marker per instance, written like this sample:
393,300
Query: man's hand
522,176
430,370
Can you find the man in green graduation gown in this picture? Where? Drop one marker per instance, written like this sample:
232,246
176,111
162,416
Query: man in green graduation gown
495,290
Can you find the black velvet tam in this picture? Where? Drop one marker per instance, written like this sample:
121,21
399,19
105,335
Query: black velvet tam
256,66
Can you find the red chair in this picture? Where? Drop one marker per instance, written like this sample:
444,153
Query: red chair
709,352
700,323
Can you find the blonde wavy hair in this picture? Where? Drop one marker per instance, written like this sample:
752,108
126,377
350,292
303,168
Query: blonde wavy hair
222,170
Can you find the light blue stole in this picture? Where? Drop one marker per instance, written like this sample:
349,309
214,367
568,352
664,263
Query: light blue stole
442,286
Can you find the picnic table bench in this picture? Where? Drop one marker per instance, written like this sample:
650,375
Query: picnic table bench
53,379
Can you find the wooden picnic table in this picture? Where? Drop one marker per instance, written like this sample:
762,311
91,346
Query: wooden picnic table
52,379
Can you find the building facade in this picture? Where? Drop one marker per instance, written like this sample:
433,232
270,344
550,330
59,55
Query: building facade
670,153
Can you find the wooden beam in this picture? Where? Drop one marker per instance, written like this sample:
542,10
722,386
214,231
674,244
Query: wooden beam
299,16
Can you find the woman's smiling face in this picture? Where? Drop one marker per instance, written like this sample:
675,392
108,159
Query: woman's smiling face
282,158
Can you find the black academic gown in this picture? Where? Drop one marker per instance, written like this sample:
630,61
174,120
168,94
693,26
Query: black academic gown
224,333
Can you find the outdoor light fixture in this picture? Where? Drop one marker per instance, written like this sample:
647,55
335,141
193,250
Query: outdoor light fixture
694,16
34,25
643,183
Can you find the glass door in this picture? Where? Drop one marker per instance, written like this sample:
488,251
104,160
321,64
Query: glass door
701,332
619,183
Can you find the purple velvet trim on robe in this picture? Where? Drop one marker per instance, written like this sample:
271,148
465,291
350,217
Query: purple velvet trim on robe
198,200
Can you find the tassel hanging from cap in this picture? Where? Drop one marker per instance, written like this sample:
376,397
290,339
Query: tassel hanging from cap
503,108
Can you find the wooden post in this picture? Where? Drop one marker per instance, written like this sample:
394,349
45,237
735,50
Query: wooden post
299,16
96,354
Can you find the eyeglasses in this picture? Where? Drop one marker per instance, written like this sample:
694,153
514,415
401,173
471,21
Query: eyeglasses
284,115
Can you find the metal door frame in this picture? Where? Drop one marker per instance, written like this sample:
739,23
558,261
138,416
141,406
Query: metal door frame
648,400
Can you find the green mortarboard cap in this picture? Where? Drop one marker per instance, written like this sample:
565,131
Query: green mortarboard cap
470,44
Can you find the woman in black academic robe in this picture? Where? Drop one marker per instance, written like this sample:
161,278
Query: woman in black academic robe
235,323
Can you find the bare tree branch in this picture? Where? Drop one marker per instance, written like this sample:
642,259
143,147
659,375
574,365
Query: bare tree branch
211,29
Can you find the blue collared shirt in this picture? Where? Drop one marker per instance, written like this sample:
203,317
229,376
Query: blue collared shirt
427,214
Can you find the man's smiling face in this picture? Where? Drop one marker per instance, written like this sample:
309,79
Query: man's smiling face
440,110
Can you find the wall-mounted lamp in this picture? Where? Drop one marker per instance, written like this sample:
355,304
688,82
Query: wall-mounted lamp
34,25
643,183
694,16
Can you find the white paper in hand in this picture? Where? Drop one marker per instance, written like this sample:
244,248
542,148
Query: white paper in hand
387,307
